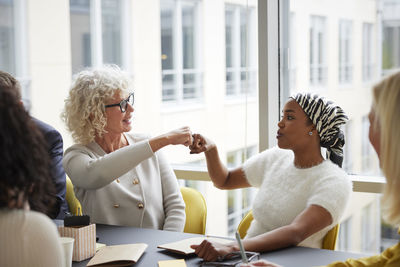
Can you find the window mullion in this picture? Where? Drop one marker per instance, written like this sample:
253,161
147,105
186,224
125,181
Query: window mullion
178,51
268,62
96,33
126,35
236,50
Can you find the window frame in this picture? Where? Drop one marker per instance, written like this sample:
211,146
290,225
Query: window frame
237,69
345,64
178,70
367,59
318,70
96,32
21,55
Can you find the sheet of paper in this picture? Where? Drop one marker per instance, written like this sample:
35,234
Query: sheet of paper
183,246
172,263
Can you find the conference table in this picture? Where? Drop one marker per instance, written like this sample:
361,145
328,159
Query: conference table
293,256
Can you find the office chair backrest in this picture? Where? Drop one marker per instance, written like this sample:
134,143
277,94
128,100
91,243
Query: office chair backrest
196,211
329,241
73,203
330,238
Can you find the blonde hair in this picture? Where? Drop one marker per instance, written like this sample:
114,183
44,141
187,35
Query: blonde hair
386,105
84,111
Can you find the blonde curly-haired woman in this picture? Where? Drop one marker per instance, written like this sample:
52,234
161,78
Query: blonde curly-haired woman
120,178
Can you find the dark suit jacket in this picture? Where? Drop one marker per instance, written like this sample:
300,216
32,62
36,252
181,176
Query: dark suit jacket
55,148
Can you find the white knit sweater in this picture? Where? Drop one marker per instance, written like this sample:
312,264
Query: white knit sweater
285,191
28,238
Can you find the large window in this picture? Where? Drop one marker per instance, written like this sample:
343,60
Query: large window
188,60
239,50
180,48
99,33
318,51
345,52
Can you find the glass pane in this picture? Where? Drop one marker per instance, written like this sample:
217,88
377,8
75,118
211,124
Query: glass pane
243,37
81,49
168,91
111,27
368,63
240,44
7,32
230,83
188,29
179,49
189,86
167,42
229,37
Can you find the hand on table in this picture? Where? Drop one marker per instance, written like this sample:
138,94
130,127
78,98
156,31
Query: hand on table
211,251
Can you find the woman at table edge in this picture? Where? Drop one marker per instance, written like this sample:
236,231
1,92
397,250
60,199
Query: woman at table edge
384,133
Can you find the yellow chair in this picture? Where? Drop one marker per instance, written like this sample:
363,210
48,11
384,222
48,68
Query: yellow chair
329,241
196,211
245,224
73,203
330,238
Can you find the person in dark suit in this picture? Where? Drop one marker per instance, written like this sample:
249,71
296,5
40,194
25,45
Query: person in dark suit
55,149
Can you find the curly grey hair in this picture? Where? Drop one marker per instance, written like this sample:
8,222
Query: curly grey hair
84,111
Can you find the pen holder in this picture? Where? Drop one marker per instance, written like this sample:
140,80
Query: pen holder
85,240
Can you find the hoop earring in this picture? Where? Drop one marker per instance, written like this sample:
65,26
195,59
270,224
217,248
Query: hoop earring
309,133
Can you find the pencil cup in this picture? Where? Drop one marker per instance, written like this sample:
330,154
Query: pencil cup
68,247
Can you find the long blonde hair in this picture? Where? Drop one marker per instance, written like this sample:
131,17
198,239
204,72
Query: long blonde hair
386,105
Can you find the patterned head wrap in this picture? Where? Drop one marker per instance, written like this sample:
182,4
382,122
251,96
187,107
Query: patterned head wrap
327,118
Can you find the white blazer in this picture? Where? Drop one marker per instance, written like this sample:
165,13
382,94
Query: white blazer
131,186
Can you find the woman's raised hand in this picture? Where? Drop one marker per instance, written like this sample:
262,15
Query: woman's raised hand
181,136
200,144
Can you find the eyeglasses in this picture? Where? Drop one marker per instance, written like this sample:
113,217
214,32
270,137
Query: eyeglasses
231,259
124,103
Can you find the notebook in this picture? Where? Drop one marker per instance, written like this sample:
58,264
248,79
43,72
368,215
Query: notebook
183,246
119,255
172,263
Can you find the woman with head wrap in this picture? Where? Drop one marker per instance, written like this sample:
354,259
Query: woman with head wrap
301,195
384,132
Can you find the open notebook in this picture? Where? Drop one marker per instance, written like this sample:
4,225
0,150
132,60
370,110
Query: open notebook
183,246
119,255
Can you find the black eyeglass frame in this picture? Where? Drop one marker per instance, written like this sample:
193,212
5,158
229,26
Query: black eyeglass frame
124,102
